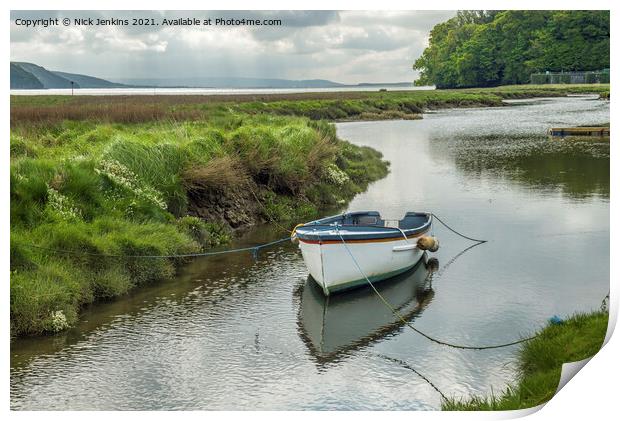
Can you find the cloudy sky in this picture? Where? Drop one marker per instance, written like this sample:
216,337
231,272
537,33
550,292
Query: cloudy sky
348,46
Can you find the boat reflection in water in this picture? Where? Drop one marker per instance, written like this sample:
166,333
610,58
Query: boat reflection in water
332,326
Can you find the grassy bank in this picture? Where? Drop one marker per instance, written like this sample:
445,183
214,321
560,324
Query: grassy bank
157,188
540,363
341,106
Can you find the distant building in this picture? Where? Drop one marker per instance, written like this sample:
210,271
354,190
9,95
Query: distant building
599,76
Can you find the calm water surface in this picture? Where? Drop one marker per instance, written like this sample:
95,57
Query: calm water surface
235,333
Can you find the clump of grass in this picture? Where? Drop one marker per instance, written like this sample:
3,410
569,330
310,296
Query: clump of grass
278,208
75,263
206,234
37,295
540,362
281,157
389,115
218,174
152,171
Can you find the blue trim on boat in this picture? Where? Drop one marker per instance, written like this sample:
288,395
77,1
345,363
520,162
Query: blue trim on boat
363,226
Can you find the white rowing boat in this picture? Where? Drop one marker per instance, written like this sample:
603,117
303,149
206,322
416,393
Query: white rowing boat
346,251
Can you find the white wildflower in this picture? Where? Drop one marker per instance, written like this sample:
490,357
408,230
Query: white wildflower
124,177
61,204
58,321
335,175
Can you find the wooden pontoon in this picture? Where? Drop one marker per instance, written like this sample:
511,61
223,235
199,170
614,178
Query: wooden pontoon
578,131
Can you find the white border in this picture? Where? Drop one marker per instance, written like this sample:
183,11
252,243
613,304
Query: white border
591,394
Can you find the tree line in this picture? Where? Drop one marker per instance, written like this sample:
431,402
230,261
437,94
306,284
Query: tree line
490,48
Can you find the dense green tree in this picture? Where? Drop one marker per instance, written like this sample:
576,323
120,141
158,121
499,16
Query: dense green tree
487,48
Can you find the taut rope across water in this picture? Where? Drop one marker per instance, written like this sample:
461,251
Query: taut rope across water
253,249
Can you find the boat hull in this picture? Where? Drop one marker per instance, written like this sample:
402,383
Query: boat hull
332,267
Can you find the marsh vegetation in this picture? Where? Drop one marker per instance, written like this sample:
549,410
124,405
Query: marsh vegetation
168,175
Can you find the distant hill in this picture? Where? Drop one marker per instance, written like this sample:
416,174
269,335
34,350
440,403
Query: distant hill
48,79
21,79
31,76
89,81
231,82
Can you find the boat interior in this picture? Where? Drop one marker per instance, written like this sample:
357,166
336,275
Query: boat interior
411,220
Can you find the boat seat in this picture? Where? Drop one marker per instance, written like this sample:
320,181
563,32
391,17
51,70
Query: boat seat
366,220
372,218
412,220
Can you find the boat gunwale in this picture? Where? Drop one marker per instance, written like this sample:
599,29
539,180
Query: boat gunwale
320,231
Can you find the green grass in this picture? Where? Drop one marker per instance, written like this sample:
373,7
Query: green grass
540,362
128,189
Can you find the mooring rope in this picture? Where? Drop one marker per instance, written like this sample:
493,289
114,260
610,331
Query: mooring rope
453,259
253,249
456,232
408,324
409,367
258,347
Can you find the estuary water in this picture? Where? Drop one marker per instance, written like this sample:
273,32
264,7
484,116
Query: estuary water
232,332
